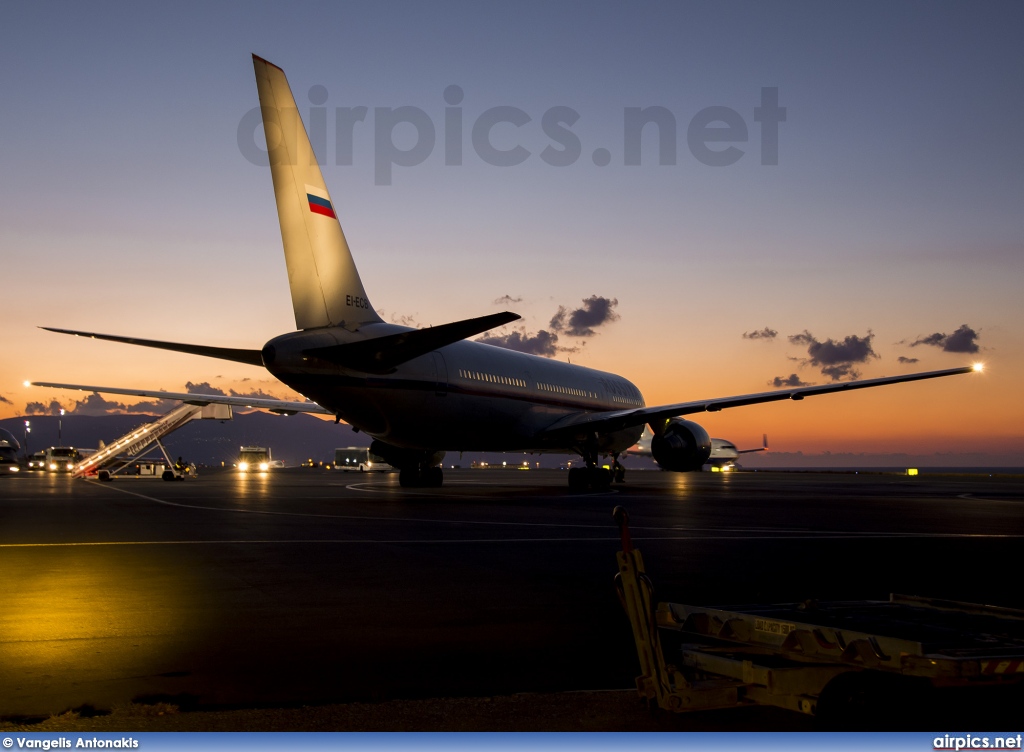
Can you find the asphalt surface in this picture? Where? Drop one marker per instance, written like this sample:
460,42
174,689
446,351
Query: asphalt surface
308,587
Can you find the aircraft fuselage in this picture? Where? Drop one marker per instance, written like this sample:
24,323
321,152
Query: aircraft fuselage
467,396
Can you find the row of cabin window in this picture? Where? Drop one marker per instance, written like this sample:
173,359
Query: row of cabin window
566,390
491,378
627,400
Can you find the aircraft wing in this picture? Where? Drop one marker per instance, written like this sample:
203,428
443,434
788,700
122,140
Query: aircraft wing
762,448
582,424
284,407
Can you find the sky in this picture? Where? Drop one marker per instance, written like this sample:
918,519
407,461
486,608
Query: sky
873,228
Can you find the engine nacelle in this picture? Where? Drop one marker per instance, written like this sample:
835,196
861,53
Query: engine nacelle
682,448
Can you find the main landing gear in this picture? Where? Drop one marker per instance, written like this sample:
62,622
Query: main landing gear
590,478
420,477
593,477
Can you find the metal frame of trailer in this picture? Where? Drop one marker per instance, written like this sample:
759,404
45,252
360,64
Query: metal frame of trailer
828,659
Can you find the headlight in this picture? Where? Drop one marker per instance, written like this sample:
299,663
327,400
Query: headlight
53,465
71,466
264,467
15,469
243,466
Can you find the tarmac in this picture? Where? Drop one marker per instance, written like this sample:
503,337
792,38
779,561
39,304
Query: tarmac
312,587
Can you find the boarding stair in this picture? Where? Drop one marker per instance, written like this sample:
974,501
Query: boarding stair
142,439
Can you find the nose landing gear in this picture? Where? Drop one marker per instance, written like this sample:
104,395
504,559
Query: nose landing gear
421,477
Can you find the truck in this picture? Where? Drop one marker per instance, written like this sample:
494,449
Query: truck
61,459
253,459
359,459
37,461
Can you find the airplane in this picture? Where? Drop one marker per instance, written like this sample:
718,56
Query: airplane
723,455
420,392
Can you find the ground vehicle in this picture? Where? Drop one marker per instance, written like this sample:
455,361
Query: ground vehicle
61,459
252,459
150,469
37,461
849,663
359,458
9,447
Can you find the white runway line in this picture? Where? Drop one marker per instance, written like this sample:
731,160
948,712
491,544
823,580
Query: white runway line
366,518
972,497
721,534
452,541
374,488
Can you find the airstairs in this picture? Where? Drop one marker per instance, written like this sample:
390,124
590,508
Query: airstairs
145,438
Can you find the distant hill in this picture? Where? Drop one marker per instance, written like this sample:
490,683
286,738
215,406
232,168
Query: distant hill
296,438
291,438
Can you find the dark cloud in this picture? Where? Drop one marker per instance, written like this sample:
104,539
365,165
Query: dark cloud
154,407
902,359
791,380
5,401
836,359
254,394
581,322
95,404
766,333
405,321
161,406
395,318
542,343
507,300
840,371
203,388
963,340
38,408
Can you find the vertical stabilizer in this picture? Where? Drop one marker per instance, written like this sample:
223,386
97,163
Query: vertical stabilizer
326,289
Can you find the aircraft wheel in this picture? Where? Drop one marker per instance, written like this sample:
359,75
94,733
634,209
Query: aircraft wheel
433,477
578,479
600,478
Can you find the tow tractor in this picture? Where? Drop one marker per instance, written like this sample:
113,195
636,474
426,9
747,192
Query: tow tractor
852,664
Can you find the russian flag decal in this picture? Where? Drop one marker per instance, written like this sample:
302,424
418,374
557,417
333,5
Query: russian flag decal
319,204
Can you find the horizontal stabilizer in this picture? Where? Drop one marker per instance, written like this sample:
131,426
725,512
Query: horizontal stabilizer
384,354
252,357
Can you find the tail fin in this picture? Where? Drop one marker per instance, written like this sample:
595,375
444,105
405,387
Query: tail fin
326,289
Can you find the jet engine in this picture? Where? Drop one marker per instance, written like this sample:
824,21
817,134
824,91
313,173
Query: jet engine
682,448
